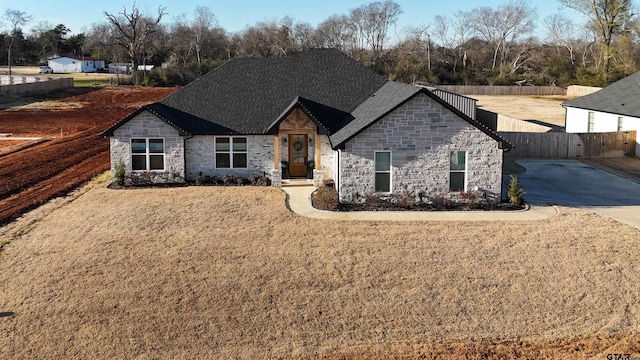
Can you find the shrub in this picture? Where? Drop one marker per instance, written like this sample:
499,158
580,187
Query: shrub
515,191
202,179
118,177
242,181
471,198
374,200
441,200
405,200
325,198
257,180
263,181
227,179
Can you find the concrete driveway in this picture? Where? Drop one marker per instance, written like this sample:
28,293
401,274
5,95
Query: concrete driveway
573,183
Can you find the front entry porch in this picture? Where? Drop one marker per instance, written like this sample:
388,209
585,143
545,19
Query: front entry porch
297,149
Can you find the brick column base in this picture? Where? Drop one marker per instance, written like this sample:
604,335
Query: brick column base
276,178
318,176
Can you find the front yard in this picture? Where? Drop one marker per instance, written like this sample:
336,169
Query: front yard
217,272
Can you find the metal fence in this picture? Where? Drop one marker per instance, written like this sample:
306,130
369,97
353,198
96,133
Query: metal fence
504,90
559,145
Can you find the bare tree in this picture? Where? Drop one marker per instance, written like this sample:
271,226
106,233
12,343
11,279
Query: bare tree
463,29
419,38
336,32
39,32
16,19
503,26
303,36
132,30
373,22
561,31
607,19
449,38
268,39
201,26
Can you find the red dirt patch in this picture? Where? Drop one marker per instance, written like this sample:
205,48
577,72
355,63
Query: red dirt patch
32,176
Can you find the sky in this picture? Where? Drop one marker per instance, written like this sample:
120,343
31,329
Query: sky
235,15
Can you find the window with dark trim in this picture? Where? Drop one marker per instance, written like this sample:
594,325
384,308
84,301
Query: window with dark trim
231,152
457,170
147,154
383,171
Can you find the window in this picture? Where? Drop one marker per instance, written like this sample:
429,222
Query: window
590,121
457,170
147,154
383,171
620,123
231,152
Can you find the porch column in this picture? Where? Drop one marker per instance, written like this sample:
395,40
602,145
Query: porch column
276,152
276,176
317,172
318,152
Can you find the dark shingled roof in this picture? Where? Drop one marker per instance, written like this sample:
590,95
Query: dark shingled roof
620,98
253,95
185,123
328,119
248,94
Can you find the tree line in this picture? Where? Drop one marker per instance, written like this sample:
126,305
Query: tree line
483,46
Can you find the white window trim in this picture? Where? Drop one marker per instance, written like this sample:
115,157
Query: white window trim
466,164
231,152
383,172
147,153
591,121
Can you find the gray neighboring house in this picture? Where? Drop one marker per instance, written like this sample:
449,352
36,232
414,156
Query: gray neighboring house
613,108
323,114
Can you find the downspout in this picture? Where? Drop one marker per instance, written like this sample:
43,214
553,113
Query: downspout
184,155
337,182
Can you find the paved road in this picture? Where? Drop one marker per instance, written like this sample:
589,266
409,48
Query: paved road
571,182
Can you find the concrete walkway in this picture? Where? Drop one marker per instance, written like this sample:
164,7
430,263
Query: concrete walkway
299,202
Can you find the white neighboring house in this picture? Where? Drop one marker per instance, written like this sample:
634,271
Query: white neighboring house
614,108
120,68
77,64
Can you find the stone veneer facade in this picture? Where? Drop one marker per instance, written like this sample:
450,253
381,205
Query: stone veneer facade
420,135
200,156
147,125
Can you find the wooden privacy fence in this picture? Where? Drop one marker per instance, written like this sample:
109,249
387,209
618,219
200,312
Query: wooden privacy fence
577,90
499,122
558,145
503,90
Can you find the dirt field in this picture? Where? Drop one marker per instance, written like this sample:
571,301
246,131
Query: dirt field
209,272
546,109
30,176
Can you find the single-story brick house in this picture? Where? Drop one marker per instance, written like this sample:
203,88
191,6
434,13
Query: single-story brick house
614,108
75,64
325,116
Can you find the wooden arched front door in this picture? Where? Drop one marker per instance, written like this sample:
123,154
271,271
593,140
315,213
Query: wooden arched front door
298,155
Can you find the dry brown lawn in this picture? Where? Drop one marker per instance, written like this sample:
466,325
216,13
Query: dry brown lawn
212,272
545,109
628,167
